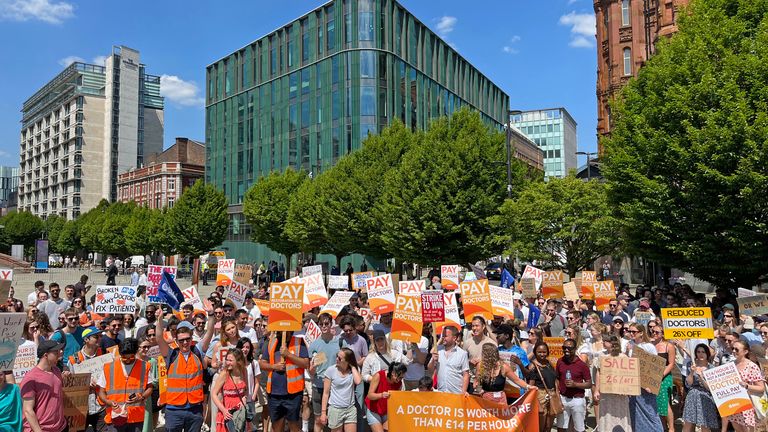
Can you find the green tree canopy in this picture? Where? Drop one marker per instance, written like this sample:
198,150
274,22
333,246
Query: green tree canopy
687,159
565,223
199,221
68,241
23,228
138,232
52,227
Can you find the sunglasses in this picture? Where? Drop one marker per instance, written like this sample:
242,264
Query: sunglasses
150,334
632,331
32,328
728,316
144,348
183,340
71,318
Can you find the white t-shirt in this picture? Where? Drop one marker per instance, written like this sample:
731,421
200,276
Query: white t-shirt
253,375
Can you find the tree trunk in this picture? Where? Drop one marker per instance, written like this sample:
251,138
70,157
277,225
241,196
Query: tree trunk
288,257
338,260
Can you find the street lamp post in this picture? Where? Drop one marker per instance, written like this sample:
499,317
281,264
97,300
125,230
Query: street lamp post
589,162
510,113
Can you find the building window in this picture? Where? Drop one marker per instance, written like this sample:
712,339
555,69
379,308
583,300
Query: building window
170,202
627,61
625,13
171,184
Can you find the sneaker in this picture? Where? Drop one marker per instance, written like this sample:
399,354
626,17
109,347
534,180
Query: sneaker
205,428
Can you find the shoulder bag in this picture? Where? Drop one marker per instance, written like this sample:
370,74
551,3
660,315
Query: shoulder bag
555,404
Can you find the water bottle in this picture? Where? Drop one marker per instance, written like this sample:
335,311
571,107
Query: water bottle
568,375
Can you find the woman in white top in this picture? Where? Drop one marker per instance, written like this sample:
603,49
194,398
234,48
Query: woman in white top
382,356
338,407
644,405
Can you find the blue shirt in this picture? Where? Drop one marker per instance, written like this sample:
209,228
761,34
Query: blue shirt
279,379
331,350
74,341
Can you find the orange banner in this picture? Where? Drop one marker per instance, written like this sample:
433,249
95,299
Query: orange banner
588,278
552,285
604,293
263,306
286,302
476,298
406,322
417,411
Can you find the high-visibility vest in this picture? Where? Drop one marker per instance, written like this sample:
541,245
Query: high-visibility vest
184,380
78,358
293,374
119,387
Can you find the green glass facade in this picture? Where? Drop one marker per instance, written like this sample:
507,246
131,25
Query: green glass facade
310,92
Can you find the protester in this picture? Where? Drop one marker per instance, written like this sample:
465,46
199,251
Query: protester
151,408
449,363
535,336
544,377
90,350
376,401
700,408
382,356
643,407
230,393
614,413
71,334
42,391
124,387
285,379
338,409
573,379
492,375
667,351
752,380
322,350
55,305
10,403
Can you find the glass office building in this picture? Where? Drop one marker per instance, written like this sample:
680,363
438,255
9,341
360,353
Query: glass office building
554,131
311,91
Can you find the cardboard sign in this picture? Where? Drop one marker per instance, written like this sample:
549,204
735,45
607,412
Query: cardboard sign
552,285
730,397
417,411
604,293
651,370
338,300
191,296
153,351
534,273
528,286
225,272
313,333
115,300
94,366
449,276
687,323
432,306
76,388
406,321
452,317
243,273
643,317
502,301
620,375
476,298
588,279
412,287
311,270
26,359
6,274
6,279
286,302
364,313
555,345
338,282
571,292
358,280
235,292
315,294
753,305
11,328
381,294
154,275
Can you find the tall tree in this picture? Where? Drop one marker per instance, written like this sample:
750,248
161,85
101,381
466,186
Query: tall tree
23,228
68,241
89,226
436,204
112,236
266,206
565,223
138,232
52,227
687,159
199,221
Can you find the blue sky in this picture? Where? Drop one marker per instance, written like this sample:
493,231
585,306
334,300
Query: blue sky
541,52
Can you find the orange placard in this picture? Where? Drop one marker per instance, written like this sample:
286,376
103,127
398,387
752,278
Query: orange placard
449,276
588,278
381,294
286,301
417,411
604,292
552,285
315,294
476,298
263,306
407,322
555,345
452,317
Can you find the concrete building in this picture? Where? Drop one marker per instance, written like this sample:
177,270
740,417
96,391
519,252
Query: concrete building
309,92
83,128
526,150
165,176
554,131
9,184
627,32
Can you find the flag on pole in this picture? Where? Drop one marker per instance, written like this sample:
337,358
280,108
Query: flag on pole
479,273
168,292
507,281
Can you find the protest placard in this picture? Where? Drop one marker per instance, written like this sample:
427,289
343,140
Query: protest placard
688,323
191,296
411,287
452,317
449,276
604,292
338,282
314,291
153,351
534,273
286,302
418,411
753,305
528,286
651,370
94,366
476,298
225,272
263,306
432,306
406,321
588,279
338,300
358,280
571,292
620,375
503,302
235,292
26,359
365,313
76,388
312,333
242,273
381,294
11,328
6,279
112,299
552,285
555,345
643,317
730,397
311,270
154,275
6,274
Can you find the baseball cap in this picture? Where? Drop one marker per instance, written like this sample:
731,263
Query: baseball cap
505,329
517,296
645,303
378,334
47,346
184,324
92,331
618,318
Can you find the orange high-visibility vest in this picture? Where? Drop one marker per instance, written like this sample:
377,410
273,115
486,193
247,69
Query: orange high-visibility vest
185,381
119,387
293,373
78,358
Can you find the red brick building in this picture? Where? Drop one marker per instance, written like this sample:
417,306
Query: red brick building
627,31
165,177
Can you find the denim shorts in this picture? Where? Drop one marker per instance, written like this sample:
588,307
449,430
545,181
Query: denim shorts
374,418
